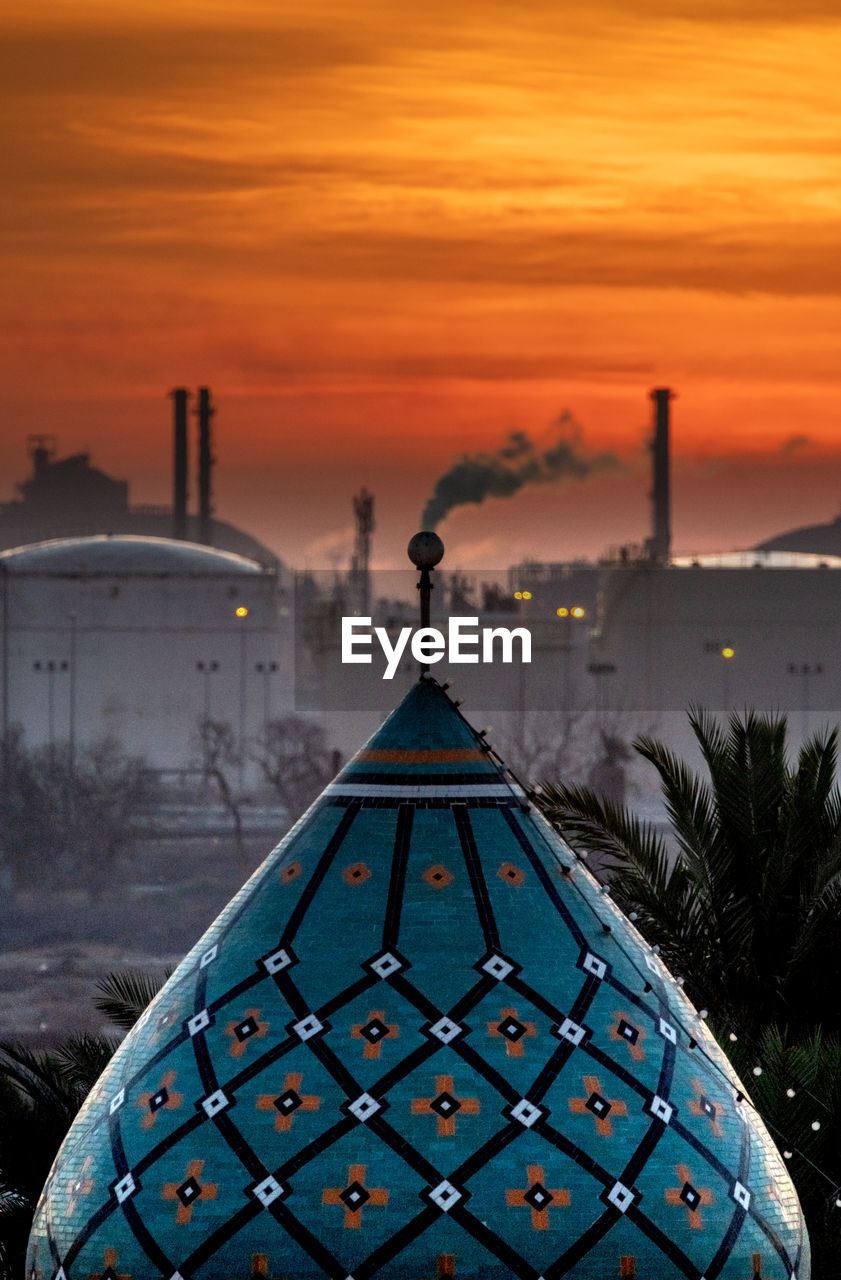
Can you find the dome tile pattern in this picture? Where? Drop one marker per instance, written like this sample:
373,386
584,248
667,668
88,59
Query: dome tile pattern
420,1043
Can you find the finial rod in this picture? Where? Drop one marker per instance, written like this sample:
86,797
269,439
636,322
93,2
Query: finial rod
425,550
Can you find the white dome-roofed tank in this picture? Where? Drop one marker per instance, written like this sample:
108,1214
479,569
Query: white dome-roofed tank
139,638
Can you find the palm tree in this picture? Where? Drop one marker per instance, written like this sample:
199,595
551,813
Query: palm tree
40,1093
743,898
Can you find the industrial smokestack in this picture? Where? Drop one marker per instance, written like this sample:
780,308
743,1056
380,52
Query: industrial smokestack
660,542
179,465
205,413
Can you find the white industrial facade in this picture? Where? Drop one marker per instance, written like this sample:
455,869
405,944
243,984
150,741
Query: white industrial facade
138,638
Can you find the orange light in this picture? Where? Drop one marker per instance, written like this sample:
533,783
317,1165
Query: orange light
578,612
562,613
527,595
518,595
727,652
242,612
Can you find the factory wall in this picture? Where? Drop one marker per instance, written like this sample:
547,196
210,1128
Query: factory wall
143,657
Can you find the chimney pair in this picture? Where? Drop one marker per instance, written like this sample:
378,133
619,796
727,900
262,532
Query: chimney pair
180,471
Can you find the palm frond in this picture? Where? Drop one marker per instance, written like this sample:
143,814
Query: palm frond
83,1058
644,878
38,1077
124,996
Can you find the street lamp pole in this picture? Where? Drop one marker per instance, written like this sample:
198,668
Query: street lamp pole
805,670
728,653
72,694
599,670
266,670
50,667
568,614
242,614
206,670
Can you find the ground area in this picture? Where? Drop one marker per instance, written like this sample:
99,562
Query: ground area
54,945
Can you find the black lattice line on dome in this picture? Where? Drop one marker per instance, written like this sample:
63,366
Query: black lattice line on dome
647,978
81,1238
777,1244
476,875
397,879
230,918
579,1248
737,1220
607,1179
648,1143
663,1242
256,1167
350,1085
480,989
765,1227
305,1240
322,867
709,1063
499,1248
390,1248
704,1151
544,878
230,915
510,1132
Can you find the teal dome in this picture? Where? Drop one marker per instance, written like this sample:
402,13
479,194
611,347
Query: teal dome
419,1042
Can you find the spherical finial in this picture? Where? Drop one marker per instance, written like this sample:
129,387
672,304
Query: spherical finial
425,550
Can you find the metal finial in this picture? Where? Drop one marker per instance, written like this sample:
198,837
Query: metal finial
425,551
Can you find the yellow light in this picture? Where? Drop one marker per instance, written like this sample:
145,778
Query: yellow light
242,612
727,652
527,595
578,612
562,613
518,595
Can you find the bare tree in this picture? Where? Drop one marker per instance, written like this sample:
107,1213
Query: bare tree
294,758
74,814
574,744
219,753
543,744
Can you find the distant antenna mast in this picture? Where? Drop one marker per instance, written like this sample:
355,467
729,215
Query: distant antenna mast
360,571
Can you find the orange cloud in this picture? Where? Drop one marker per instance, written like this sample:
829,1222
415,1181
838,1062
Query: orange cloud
372,225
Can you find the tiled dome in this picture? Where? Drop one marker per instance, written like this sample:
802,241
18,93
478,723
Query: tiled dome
420,1042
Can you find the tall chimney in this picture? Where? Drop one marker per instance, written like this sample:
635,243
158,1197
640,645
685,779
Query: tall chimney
206,412
179,465
660,542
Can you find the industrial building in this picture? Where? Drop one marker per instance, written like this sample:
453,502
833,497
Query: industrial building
139,639
137,636
69,497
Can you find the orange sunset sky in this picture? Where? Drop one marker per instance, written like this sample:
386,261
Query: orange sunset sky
386,233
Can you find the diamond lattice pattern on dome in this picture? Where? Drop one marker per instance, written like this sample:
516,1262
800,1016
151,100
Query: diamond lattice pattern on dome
420,1043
